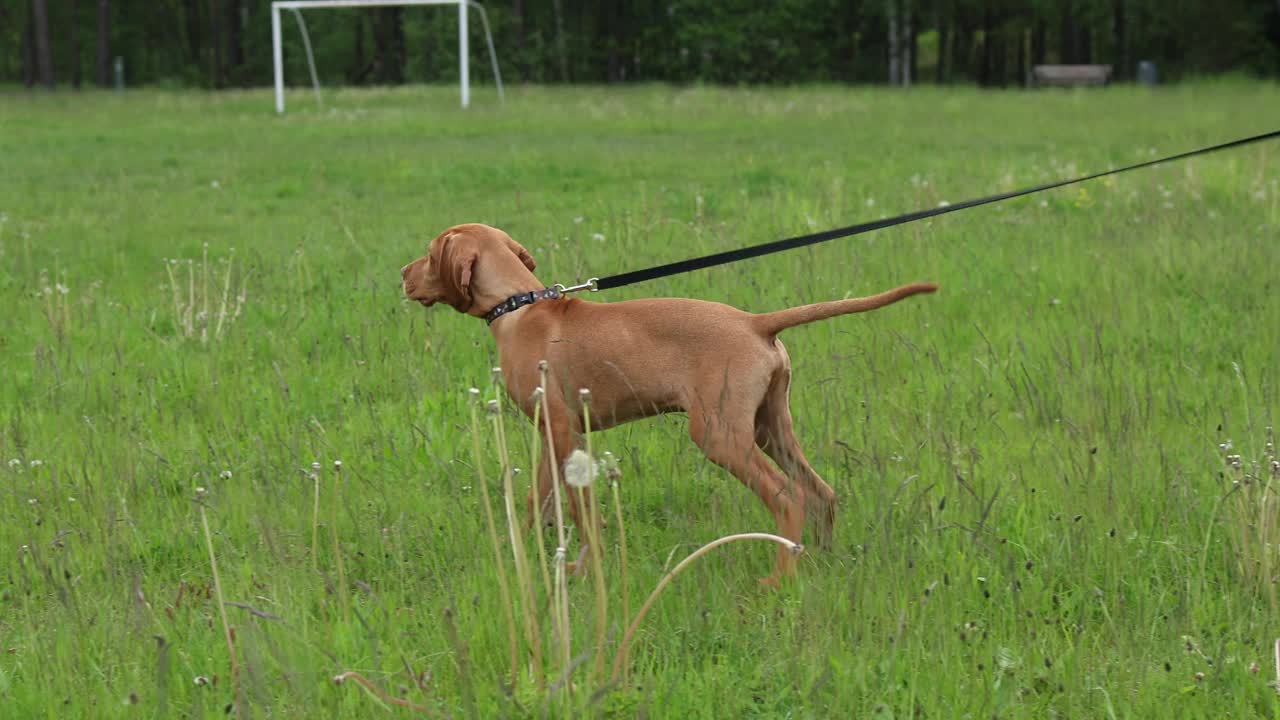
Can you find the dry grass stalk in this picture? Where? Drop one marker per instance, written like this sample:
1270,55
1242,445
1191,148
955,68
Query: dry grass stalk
612,475
315,518
561,596
535,499
591,515
377,691
222,604
623,650
523,576
343,596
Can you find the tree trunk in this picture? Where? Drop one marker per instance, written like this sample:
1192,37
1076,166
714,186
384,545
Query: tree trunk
44,57
73,40
961,46
988,32
389,45
561,55
1039,34
610,13
219,69
235,36
191,11
103,63
522,62
999,55
895,55
910,45
1028,52
399,47
944,37
1067,41
906,45
29,50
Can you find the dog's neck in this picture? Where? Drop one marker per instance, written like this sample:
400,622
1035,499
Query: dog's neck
515,279
515,302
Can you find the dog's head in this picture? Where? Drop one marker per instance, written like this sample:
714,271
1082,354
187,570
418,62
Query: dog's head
455,259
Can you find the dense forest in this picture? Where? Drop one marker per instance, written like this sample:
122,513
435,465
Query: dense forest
227,43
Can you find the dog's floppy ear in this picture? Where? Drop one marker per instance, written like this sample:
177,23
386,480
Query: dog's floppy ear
521,253
455,257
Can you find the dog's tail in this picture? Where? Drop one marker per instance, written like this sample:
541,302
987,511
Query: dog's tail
775,322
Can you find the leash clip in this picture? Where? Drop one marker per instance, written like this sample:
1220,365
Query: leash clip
588,285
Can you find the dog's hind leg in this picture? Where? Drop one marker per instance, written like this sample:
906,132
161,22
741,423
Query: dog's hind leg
775,435
731,445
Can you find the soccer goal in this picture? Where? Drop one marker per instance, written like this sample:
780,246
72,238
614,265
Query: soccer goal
296,6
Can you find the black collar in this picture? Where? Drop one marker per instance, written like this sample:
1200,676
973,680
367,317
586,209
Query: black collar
515,302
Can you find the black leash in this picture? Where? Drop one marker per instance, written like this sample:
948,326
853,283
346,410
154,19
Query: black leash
729,256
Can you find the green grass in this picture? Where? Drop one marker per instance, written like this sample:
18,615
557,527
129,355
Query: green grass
1032,518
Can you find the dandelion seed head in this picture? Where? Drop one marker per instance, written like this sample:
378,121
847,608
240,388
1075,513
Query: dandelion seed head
492,407
224,475
580,470
337,466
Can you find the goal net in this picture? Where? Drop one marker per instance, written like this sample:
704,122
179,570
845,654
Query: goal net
464,49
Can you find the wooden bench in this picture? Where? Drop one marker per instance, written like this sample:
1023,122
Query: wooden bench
1070,75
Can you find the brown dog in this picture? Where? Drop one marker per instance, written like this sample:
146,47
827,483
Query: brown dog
724,367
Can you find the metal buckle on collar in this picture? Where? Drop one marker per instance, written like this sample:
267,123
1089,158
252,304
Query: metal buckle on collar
588,285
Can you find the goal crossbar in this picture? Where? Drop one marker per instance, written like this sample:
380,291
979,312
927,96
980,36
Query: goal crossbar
464,68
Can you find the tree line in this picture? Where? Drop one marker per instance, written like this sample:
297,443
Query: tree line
227,43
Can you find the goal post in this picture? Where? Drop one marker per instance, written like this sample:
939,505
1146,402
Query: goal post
464,49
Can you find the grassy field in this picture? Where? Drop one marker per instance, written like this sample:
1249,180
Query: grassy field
1037,518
